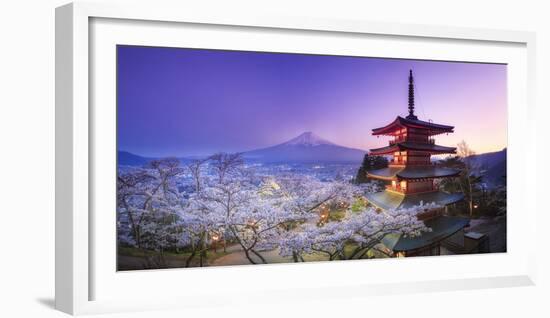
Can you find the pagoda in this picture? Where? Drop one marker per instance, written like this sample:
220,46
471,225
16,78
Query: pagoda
411,177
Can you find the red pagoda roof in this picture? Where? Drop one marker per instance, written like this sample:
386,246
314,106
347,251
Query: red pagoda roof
412,172
400,122
401,146
387,200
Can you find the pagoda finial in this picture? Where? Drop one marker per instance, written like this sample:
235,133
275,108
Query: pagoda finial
411,96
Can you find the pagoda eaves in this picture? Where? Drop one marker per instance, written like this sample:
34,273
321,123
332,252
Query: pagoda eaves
392,200
403,146
408,172
399,123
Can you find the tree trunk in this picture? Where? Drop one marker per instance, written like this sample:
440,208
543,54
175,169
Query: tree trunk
203,251
247,254
259,256
471,198
190,258
138,237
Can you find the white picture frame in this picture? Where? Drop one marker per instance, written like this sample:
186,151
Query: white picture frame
76,251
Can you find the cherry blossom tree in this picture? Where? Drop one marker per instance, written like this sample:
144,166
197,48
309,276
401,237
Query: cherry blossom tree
241,211
147,193
226,200
363,230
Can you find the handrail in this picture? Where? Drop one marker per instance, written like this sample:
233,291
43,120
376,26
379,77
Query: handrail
431,141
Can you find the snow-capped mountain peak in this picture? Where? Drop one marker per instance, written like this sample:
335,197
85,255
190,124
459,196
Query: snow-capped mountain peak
306,148
308,139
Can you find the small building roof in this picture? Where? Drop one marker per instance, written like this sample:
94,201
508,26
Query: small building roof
474,235
388,200
400,122
402,146
412,172
441,228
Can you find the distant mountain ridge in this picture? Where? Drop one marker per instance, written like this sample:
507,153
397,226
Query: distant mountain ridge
306,148
492,166
126,158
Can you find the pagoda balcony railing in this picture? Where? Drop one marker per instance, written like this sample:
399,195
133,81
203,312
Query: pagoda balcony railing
402,163
431,141
398,188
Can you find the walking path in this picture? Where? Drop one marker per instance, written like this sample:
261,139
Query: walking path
238,257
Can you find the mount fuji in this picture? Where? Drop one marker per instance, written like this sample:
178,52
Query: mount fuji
307,148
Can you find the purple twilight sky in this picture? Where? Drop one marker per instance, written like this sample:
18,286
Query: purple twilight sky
179,102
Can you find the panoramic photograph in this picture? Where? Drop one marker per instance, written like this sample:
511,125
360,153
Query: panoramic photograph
247,158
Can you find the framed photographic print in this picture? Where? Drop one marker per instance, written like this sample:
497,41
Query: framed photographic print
264,153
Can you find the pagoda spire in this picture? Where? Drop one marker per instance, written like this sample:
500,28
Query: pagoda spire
411,96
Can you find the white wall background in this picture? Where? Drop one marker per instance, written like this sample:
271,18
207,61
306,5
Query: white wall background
27,158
